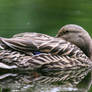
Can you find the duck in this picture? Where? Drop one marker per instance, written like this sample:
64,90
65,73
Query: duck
70,49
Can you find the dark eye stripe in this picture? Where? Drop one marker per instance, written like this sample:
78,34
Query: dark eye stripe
67,31
70,32
64,32
74,31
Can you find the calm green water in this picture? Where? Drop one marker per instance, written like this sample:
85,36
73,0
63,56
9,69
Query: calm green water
44,16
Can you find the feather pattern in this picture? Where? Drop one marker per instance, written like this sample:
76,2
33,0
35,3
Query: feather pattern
49,44
52,52
41,61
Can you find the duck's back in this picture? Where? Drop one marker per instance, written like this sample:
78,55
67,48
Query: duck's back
39,42
30,42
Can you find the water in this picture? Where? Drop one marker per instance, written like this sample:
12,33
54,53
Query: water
57,81
43,16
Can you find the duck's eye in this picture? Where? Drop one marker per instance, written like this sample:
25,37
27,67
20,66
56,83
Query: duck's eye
66,31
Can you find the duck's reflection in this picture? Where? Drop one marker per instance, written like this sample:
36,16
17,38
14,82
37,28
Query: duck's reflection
57,81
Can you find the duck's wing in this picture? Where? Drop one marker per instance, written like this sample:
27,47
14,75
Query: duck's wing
18,44
25,41
39,42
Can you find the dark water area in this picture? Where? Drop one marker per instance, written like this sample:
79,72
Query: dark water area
43,16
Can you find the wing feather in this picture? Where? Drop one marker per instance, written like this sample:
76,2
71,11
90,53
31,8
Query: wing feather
41,42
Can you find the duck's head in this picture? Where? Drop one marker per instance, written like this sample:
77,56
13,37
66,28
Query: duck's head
78,36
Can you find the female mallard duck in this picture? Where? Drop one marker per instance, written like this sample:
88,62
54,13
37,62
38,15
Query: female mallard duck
52,52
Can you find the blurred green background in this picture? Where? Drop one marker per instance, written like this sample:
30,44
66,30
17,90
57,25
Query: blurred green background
43,16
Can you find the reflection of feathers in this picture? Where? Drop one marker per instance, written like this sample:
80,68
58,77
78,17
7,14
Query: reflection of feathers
68,76
72,77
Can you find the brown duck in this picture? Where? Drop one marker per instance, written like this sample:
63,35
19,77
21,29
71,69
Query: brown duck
70,49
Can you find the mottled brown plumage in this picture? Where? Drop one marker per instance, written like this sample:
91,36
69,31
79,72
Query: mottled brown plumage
55,52
78,36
